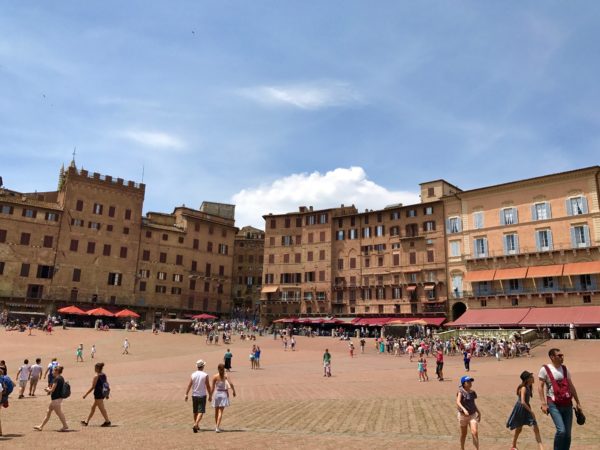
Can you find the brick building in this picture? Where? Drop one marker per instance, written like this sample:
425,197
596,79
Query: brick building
87,243
526,243
249,246
338,261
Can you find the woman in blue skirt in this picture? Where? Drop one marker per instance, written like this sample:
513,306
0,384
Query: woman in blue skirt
522,414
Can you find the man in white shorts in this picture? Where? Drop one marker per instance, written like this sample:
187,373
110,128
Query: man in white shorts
200,388
23,377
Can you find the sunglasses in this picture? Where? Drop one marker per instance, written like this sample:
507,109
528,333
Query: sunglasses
559,355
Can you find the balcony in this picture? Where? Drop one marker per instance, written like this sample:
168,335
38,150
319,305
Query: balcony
525,291
528,251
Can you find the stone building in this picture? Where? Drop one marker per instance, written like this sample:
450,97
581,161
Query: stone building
532,242
87,243
247,272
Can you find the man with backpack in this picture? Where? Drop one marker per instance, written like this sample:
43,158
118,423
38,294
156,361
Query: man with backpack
59,390
557,392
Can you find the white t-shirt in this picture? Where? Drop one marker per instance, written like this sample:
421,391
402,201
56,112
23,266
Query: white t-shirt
36,371
199,383
556,373
24,372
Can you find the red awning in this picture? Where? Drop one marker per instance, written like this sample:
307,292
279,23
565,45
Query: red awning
553,270
99,312
71,310
502,317
563,316
511,274
372,321
429,287
480,275
582,268
411,288
127,313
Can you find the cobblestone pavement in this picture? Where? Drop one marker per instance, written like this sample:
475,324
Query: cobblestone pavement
371,400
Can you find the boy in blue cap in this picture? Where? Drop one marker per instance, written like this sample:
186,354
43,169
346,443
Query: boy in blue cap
468,413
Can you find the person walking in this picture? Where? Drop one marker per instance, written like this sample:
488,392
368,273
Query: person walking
36,373
227,360
23,375
469,415
200,389
79,353
125,347
439,365
467,360
55,392
101,391
362,345
257,357
557,391
522,414
93,351
326,363
220,386
50,371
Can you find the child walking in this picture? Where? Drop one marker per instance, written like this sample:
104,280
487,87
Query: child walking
421,369
469,415
522,414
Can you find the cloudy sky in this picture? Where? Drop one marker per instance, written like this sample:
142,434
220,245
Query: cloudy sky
272,105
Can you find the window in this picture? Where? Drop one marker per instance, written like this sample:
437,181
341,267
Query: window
322,276
76,275
144,273
179,260
543,240
587,299
271,259
176,290
514,285
508,216
77,222
209,247
288,240
412,258
580,236
366,294
482,288
162,257
411,213
160,289
478,220
379,230
511,244
111,211
353,234
143,286
161,275
91,248
339,235
109,227
207,269
430,192
321,255
97,209
165,237
34,290
48,241
454,248
429,225
380,261
286,258
25,238
322,236
287,222
394,231
24,270
541,211
585,283
106,250
430,256
127,214
94,225
74,244
194,266
396,259
428,210
453,225
180,239
2,235
146,255
367,262
125,230
5,209
148,234
309,256
340,264
366,232
123,252
51,217
395,215
177,277
196,244
353,263
483,303
577,206
548,283
481,247
114,279
514,302
79,205
323,218
309,277
223,249
45,271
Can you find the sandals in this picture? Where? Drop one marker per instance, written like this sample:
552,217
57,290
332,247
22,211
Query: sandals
195,429
106,424
84,423
37,428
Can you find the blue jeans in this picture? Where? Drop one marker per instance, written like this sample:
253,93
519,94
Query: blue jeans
562,416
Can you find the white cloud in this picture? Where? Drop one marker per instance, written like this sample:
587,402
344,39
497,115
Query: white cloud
155,139
309,96
340,186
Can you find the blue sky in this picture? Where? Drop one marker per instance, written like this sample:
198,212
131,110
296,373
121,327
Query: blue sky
273,105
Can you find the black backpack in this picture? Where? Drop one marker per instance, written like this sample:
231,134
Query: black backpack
66,390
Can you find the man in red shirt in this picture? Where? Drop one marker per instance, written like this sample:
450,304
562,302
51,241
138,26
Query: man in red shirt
439,366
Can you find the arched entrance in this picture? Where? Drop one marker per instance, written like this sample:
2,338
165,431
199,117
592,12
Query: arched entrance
458,310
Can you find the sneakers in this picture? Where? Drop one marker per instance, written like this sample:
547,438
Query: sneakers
218,430
106,424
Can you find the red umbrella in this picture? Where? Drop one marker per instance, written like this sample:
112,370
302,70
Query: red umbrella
71,310
204,316
100,312
127,313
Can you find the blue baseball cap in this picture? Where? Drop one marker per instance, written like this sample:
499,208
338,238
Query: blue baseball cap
466,378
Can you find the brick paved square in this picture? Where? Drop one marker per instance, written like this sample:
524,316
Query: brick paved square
371,401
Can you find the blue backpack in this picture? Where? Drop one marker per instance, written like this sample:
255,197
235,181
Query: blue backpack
7,388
